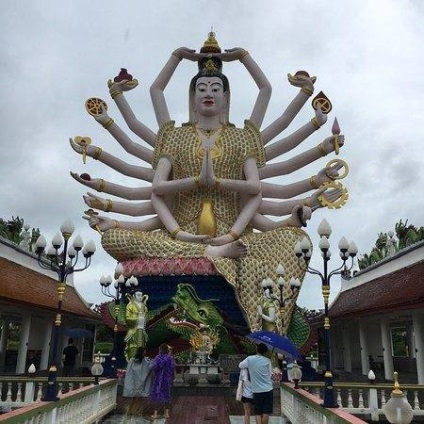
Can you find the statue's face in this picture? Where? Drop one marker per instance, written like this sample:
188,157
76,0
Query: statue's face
138,295
209,97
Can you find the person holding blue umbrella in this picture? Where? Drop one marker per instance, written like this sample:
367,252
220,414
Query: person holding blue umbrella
260,370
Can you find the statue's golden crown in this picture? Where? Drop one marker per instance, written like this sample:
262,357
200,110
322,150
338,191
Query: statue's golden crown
210,64
210,45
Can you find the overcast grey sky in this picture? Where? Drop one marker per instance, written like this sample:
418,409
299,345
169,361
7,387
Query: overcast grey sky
367,55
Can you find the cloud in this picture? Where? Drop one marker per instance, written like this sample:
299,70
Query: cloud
367,56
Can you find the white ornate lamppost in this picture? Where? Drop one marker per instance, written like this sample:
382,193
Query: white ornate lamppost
64,264
397,409
304,253
293,285
97,369
121,286
373,397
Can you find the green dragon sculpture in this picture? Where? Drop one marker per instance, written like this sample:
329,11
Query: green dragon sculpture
186,314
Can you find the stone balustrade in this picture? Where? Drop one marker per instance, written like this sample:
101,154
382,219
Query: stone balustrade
84,405
304,405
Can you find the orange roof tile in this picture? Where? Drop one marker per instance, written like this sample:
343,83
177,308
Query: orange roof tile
24,286
400,290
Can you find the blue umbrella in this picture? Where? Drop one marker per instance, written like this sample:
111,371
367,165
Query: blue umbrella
276,342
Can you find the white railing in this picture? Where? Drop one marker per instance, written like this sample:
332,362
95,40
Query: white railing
16,392
85,405
353,398
302,407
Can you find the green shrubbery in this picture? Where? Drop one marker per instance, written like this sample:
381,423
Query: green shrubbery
103,347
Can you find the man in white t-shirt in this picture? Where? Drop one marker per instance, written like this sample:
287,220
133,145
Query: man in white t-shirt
260,377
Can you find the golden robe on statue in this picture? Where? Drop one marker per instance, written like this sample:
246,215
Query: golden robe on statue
213,211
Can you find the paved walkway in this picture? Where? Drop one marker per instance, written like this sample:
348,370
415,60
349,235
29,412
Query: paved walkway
194,409
234,419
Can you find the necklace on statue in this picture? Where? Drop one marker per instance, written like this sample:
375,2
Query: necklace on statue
208,132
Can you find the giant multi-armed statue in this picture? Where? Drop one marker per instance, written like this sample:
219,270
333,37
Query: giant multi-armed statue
210,202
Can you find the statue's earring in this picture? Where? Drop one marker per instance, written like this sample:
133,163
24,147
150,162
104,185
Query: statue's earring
223,115
194,114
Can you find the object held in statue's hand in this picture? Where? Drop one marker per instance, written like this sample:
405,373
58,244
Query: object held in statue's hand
83,142
123,76
323,102
95,106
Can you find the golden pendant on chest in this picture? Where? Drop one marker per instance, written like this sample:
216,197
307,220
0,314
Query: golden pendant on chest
208,138
206,224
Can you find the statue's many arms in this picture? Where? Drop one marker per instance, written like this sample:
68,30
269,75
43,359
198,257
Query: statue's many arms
207,194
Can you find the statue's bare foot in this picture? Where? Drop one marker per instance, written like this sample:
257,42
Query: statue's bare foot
235,249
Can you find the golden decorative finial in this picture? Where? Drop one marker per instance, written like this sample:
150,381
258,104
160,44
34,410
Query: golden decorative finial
210,65
210,45
396,390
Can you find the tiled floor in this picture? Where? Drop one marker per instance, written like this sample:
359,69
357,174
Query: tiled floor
216,405
121,419
239,420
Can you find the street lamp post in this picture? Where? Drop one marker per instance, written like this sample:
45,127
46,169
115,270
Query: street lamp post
293,286
63,263
347,250
121,286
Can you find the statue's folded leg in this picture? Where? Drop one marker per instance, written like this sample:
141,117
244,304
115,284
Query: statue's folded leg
265,252
124,244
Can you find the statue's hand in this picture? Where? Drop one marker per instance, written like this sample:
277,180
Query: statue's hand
203,176
103,117
189,54
320,117
302,81
211,177
89,150
207,175
301,214
192,238
76,147
94,183
259,309
230,55
330,173
99,223
331,195
121,86
329,143
94,201
221,240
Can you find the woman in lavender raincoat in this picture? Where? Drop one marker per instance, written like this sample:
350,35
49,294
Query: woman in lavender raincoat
163,367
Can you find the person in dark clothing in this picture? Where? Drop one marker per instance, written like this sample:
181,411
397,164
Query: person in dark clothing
69,358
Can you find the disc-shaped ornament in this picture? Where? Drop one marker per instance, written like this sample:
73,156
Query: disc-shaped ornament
342,199
93,106
323,102
344,165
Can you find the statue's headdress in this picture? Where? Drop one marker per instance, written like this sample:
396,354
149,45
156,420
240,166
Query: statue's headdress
210,64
